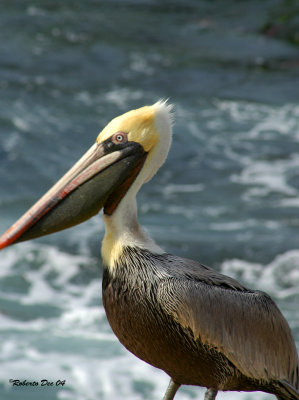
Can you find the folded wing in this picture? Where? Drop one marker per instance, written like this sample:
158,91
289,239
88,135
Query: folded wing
246,326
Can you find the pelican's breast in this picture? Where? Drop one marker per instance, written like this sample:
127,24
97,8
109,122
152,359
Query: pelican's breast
130,298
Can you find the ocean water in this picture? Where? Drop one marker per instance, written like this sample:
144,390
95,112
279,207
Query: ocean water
228,194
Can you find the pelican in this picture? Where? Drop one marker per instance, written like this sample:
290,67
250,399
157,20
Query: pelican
199,326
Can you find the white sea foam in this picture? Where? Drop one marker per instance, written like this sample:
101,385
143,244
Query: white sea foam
263,129
182,188
264,177
265,120
121,96
277,276
289,202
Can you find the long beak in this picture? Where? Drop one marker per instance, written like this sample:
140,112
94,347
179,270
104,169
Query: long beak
81,193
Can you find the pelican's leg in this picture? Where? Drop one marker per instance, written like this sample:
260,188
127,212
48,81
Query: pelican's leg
171,390
211,394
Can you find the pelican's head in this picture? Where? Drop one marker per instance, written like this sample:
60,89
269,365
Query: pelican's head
128,152
149,126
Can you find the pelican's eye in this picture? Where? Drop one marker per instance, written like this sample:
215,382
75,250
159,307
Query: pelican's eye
119,137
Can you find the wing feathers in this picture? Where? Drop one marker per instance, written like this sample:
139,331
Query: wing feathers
291,391
245,326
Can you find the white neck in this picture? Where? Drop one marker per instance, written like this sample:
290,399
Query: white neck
122,228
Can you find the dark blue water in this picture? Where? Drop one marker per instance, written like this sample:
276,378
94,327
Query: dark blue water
228,194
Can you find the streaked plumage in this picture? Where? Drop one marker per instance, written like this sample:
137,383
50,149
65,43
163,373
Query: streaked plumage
191,321
199,326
